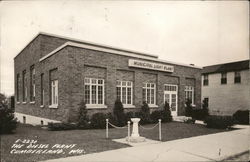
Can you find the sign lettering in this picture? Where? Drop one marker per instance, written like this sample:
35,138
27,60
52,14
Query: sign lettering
150,65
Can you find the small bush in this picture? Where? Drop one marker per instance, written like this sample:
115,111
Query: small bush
119,114
205,108
8,122
145,114
111,118
220,122
61,126
137,114
166,113
98,121
129,115
241,117
83,119
156,115
188,108
201,114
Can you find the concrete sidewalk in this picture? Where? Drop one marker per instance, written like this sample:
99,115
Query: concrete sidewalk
213,147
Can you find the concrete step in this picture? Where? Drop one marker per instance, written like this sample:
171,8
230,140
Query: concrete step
181,118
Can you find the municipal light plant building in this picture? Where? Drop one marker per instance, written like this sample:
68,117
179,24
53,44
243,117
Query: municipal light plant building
53,74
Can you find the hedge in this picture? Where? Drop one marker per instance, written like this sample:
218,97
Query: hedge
220,122
241,117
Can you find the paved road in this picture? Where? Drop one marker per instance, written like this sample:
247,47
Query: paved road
213,147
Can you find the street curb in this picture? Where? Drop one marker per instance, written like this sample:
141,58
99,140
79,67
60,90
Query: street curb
231,156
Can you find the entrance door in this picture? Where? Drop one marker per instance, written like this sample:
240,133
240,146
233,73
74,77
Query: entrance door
170,95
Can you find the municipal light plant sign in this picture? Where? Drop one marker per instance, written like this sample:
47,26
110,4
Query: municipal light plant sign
150,65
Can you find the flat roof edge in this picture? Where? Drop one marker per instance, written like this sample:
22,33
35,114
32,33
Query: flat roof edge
98,44
102,49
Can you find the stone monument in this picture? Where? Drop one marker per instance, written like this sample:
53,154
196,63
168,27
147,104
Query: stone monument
135,137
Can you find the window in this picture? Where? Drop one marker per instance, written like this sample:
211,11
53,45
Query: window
169,87
237,77
53,88
32,84
54,93
17,87
94,91
42,89
24,119
124,91
148,93
206,100
189,93
24,86
223,78
205,80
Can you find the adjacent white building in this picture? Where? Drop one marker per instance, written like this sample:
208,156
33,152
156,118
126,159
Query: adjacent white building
226,87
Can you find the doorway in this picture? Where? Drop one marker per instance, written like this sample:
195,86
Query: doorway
170,95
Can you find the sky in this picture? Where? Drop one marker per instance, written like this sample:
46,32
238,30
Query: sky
198,32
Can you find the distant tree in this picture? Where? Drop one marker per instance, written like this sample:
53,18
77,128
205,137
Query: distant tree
8,122
119,115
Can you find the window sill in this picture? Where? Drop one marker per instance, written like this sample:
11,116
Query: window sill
53,106
17,102
32,102
153,106
95,106
129,106
24,102
42,106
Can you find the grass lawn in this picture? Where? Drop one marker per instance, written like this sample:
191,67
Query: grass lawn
90,140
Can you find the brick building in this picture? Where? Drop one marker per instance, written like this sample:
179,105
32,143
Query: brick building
53,74
226,87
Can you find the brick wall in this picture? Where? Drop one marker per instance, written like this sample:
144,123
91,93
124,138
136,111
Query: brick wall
74,64
30,56
116,67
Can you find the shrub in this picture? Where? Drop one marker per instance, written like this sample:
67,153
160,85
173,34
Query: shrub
156,115
137,114
205,108
220,122
166,113
188,108
61,126
83,119
145,114
111,118
98,121
8,122
129,115
119,114
241,116
197,113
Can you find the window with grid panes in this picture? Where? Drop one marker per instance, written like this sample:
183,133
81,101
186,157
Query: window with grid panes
124,91
148,93
94,91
